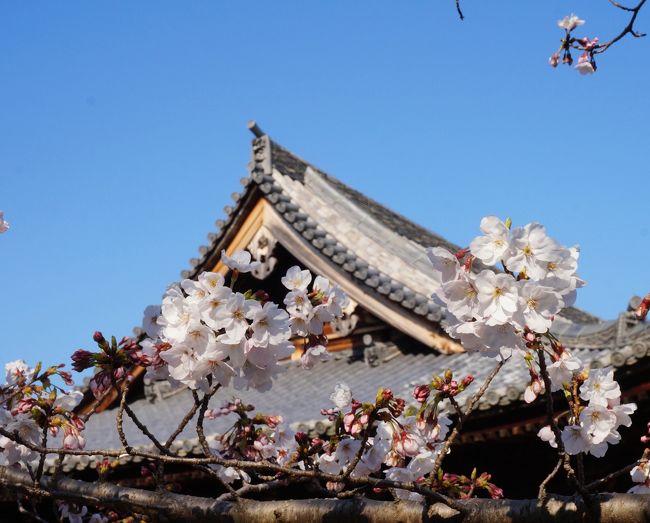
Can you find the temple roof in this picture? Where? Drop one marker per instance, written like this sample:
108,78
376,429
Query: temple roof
369,245
377,256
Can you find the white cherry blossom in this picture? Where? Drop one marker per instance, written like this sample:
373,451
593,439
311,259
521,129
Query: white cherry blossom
546,434
574,440
530,251
270,324
445,264
296,278
16,371
570,22
561,371
313,355
239,261
598,422
211,305
150,321
461,297
600,387
497,296
491,247
176,315
234,315
537,306
342,396
298,303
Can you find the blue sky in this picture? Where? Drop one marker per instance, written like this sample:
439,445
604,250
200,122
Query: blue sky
123,133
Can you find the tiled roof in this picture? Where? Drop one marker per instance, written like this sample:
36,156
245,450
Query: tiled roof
380,249
360,236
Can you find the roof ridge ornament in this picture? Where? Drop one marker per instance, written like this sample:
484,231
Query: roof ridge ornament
255,129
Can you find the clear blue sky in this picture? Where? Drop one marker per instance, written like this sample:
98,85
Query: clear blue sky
123,133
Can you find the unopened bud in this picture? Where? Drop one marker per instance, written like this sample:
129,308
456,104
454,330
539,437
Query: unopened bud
262,295
98,337
421,393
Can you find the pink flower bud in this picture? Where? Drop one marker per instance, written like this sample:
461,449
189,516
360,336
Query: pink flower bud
348,420
98,337
406,444
554,59
421,393
82,360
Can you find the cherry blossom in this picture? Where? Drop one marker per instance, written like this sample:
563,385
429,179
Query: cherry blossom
547,434
561,371
537,306
341,397
445,264
491,247
600,387
296,279
240,261
497,296
585,64
4,225
530,251
570,22
313,355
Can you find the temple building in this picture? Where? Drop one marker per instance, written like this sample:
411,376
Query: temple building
291,213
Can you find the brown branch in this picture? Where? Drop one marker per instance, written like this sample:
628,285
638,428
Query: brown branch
41,461
571,475
363,481
542,487
463,416
188,417
199,422
629,28
595,485
458,10
618,508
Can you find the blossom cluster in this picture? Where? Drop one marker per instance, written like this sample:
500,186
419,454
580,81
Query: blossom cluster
206,332
595,417
32,406
491,311
511,312
586,63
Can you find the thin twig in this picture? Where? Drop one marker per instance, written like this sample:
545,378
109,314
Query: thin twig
460,13
542,487
628,29
571,475
468,410
595,485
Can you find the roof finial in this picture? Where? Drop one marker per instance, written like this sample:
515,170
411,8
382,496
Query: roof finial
254,128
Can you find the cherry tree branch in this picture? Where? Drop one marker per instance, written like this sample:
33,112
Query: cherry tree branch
595,485
459,11
571,475
462,416
628,29
619,508
542,487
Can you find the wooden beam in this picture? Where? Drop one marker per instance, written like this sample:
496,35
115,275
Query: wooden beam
245,234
